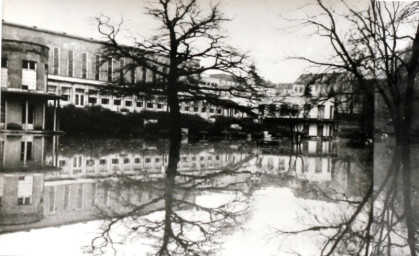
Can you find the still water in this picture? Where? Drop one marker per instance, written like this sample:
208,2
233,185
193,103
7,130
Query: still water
78,196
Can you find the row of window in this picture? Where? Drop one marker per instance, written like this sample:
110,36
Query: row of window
98,62
26,64
90,162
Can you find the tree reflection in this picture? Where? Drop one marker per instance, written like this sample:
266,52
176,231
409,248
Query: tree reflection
346,230
173,221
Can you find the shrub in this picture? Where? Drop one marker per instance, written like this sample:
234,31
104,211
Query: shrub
14,126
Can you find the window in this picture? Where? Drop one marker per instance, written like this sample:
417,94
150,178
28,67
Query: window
211,110
84,65
4,62
24,201
102,161
133,79
159,106
90,162
110,69
140,104
307,108
186,108
126,160
320,130
29,65
97,67
148,160
150,105
92,100
284,109
128,103
115,161
56,61
204,109
79,99
70,63
65,97
137,160
195,109
320,109
219,111
105,101
62,163
121,69
157,160
3,112
154,75
117,102
144,73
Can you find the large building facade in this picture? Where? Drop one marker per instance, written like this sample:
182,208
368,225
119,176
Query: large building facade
42,67
73,70
24,78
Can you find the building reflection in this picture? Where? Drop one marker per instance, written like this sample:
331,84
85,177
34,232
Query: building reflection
43,184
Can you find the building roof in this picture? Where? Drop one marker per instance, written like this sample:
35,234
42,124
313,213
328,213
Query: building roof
225,77
284,86
322,78
64,34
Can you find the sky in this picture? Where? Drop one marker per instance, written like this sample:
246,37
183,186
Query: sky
256,27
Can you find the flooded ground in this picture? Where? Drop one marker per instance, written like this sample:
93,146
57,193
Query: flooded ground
73,196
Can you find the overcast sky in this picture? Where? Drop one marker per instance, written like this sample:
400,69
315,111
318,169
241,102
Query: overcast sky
256,27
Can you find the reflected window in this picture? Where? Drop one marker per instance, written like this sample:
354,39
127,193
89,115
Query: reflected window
80,197
94,189
26,151
51,195
66,197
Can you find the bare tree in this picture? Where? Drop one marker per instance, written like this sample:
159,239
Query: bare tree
378,44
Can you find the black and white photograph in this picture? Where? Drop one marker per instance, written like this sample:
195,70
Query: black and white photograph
209,127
